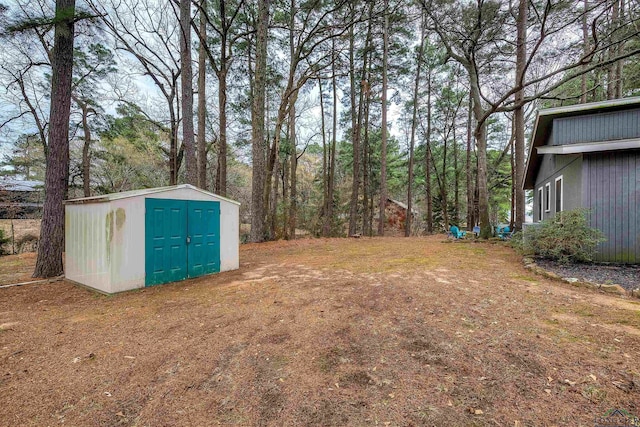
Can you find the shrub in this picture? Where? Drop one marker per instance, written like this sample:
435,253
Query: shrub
3,241
565,238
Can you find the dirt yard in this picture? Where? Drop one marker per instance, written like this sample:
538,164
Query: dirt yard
351,332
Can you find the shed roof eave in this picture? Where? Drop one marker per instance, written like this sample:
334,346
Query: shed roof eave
142,192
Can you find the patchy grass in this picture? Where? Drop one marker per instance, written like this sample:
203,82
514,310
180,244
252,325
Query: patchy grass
326,332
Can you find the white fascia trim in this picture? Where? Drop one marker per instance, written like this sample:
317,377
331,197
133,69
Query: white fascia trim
589,147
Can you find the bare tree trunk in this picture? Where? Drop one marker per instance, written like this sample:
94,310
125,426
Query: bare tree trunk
612,70
355,187
273,232
481,144
519,125
293,210
173,146
51,245
383,153
186,79
367,209
470,218
325,158
427,161
514,183
456,184
257,124
285,189
443,185
353,207
222,104
202,101
86,152
619,64
334,138
414,124
585,50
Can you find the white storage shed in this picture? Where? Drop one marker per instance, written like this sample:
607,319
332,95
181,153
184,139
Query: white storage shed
122,241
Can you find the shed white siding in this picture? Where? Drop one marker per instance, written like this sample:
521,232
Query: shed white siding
88,246
105,237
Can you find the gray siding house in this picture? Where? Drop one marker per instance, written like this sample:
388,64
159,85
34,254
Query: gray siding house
588,156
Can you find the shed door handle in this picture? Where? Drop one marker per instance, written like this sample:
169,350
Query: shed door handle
188,239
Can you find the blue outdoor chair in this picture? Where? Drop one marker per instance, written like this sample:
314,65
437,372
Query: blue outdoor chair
456,233
504,232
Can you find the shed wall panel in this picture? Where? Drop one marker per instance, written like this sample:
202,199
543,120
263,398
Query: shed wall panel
127,265
87,245
611,190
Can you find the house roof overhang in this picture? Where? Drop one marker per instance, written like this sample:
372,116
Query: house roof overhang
542,128
591,147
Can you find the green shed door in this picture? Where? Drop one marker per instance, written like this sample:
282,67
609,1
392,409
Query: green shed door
165,241
204,238
182,239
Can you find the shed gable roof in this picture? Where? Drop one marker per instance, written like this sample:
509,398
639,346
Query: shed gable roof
544,120
143,192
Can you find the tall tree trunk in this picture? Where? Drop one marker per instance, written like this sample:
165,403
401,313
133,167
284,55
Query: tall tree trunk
285,189
258,142
428,160
293,204
356,130
51,245
481,144
612,70
334,138
367,210
619,64
470,217
443,185
202,101
456,183
585,50
186,80
353,207
514,183
414,124
325,161
519,125
383,150
273,231
173,144
222,104
86,152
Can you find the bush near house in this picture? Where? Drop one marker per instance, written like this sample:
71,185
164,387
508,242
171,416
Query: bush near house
565,238
3,241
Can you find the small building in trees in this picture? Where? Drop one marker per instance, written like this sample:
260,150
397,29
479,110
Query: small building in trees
395,216
129,240
588,156
21,199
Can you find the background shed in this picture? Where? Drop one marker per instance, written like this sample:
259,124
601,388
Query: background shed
122,241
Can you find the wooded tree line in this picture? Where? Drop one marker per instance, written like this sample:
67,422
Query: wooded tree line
311,113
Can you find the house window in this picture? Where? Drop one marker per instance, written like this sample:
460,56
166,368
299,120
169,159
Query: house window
547,197
559,195
540,204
